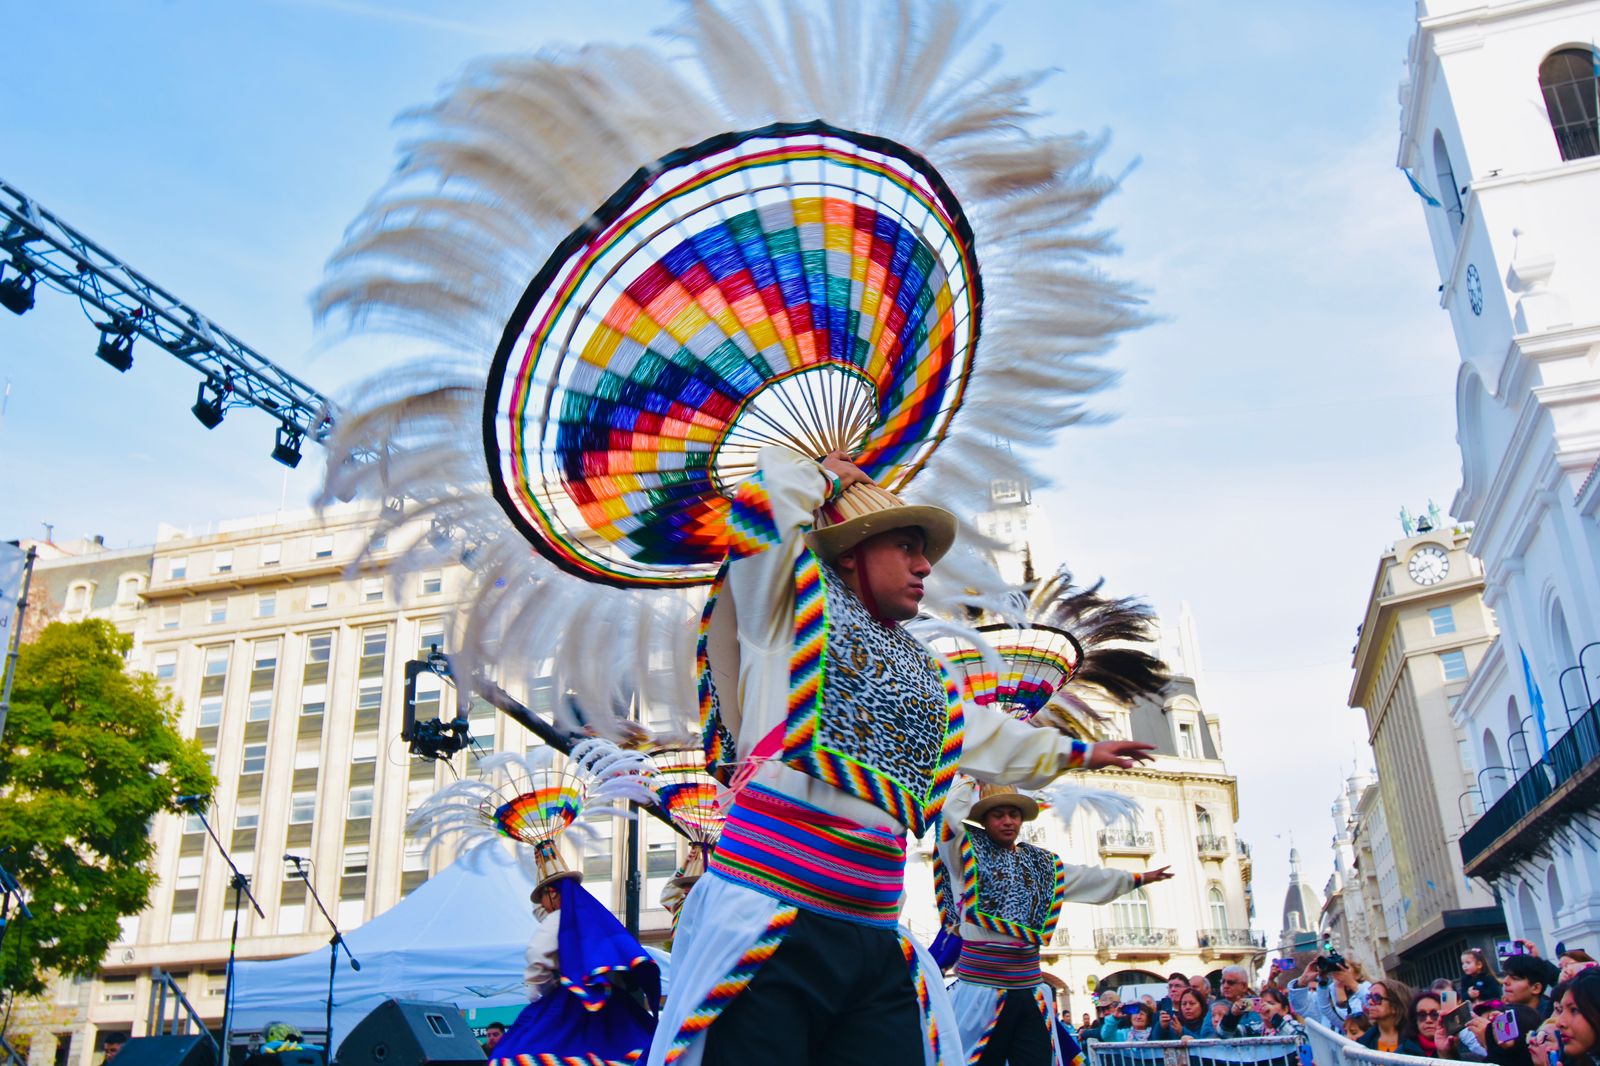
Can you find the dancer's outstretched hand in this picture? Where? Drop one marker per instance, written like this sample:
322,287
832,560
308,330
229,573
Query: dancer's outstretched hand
1121,753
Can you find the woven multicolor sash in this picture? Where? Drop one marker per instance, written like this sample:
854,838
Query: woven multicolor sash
804,856
997,965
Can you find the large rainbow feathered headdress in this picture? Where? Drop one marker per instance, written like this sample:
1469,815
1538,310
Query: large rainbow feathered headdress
815,230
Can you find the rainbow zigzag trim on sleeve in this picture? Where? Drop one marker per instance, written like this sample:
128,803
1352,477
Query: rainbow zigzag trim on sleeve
567,1060
750,523
716,741
919,981
727,990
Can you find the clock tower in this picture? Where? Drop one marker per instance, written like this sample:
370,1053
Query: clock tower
1424,634
1500,134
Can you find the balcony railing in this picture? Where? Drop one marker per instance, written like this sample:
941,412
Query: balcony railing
1158,941
1565,778
1233,939
1243,849
1211,846
1126,842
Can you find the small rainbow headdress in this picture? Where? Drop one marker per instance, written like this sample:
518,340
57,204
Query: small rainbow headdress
530,800
1022,669
690,796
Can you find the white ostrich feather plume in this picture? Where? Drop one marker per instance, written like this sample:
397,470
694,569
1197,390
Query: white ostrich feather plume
522,149
1066,800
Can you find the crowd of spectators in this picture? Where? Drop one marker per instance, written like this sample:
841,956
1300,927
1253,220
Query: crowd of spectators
1533,1012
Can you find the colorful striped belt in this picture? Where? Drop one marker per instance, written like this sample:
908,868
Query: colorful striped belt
801,854
998,965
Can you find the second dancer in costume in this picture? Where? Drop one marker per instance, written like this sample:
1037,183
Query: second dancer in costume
838,731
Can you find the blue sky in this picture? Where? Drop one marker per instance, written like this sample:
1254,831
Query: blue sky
1296,392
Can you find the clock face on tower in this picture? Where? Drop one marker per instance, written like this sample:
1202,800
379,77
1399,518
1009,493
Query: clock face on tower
1429,565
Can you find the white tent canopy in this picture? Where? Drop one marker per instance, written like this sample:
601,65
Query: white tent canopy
460,937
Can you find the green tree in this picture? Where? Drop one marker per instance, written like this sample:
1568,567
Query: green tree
90,755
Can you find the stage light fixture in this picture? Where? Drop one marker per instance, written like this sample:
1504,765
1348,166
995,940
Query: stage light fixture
287,448
116,349
208,403
17,293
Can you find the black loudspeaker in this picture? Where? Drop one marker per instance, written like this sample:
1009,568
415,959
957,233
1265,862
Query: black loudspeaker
166,1051
406,1033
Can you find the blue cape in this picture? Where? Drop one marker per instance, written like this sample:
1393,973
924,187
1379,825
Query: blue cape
584,1013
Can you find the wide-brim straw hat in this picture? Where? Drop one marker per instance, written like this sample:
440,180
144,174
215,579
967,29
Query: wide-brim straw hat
992,796
864,510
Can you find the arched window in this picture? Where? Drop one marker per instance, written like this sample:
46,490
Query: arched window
1131,911
1516,736
1449,187
1557,898
1203,824
1561,637
1219,908
1529,913
1568,80
1494,781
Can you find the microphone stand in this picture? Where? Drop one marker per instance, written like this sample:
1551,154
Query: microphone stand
241,892
335,942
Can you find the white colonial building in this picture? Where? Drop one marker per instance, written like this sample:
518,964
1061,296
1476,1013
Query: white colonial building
1499,126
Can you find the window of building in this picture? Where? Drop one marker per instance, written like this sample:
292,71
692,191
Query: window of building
247,816
170,617
430,635
118,989
417,793
319,652
1443,620
1203,823
189,869
1455,665
1449,186
291,918
351,912
369,694
213,684
128,929
302,808
355,861
271,554
183,926
360,802
1568,79
216,612
216,984
316,597
222,561
192,823
364,747
255,759
1218,905
166,665
78,597
266,605
372,590
262,678
313,699
374,646
597,858
1131,911
322,547
432,582
416,858
1186,745
379,542
129,592
177,568
660,859
308,754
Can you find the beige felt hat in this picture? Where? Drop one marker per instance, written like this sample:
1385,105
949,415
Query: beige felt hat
992,796
865,510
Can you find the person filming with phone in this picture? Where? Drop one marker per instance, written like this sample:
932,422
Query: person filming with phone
1328,991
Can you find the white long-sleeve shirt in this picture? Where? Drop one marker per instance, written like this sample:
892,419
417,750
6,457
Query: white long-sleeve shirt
544,958
759,589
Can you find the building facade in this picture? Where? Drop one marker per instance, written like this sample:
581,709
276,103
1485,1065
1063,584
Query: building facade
1426,630
1499,124
284,643
1302,913
1346,920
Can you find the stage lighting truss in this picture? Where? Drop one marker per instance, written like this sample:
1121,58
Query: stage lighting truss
211,401
287,448
116,344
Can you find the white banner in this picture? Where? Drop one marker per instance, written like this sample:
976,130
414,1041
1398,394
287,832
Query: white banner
12,562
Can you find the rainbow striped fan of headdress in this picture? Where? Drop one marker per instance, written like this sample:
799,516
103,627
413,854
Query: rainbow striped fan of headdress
688,793
1035,662
536,809
797,285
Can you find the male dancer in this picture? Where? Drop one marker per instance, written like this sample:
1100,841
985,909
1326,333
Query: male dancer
838,731
1005,897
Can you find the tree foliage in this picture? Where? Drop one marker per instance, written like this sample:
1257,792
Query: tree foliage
90,755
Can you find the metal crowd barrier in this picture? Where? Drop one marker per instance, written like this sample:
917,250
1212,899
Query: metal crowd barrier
1262,1050
1329,1048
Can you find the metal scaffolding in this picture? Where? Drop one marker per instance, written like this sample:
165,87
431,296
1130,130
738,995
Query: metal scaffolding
44,250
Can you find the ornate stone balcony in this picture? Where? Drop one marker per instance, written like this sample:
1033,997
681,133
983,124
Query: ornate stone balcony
1211,847
1219,943
1135,943
1126,842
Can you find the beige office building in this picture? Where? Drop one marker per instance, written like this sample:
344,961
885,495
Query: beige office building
1426,628
286,649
